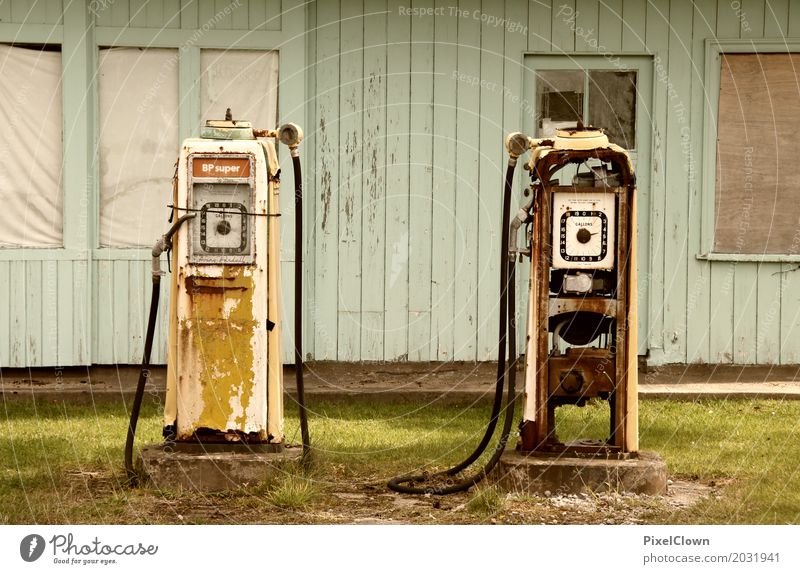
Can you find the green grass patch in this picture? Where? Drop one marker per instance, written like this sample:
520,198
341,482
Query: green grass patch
63,463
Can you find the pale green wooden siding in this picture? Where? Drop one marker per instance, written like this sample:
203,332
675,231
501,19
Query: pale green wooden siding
81,304
443,161
404,119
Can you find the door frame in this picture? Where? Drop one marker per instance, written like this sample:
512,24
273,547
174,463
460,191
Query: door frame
643,64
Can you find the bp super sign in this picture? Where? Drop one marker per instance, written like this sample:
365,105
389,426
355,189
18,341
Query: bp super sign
221,167
583,229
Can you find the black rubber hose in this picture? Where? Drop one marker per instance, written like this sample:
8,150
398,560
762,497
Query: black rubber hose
298,302
144,374
161,245
397,483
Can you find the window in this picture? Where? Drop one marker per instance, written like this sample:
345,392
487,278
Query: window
757,186
602,98
139,143
244,81
31,151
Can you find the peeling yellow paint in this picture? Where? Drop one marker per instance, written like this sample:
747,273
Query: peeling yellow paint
219,334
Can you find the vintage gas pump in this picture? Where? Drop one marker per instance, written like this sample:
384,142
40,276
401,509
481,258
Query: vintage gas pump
224,368
581,341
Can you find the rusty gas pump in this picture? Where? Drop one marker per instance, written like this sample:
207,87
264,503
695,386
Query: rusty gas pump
581,323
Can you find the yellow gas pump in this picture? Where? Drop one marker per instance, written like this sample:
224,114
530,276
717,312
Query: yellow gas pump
224,368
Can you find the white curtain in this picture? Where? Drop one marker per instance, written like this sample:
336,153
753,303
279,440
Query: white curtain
31,150
139,143
243,80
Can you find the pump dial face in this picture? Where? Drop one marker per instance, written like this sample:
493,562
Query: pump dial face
583,230
223,227
583,235
222,231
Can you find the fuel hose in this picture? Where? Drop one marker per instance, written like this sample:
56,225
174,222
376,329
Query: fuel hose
163,244
441,483
298,301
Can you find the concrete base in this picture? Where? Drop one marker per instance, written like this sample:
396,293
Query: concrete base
543,475
214,471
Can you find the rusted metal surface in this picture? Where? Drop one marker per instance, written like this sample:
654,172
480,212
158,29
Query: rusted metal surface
225,324
556,378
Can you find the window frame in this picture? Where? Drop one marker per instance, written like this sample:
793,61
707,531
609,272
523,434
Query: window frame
714,49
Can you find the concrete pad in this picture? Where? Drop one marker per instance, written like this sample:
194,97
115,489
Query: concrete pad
214,471
528,473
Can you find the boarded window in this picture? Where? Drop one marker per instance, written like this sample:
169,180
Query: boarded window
31,152
139,140
758,137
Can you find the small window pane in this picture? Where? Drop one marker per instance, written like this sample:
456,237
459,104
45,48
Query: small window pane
559,94
612,105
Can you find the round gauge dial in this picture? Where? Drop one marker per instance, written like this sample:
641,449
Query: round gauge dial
583,235
223,228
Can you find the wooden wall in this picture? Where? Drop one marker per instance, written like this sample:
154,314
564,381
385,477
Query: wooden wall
404,119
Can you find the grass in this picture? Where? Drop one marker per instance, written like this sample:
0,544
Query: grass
63,463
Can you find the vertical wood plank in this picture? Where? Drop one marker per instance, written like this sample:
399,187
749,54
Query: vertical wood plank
699,272
82,343
587,13
373,218
257,15
33,313
720,338
17,314
53,12
119,301
5,11
539,26
790,315
468,98
677,185
287,311
138,308
513,109
657,37
68,331
721,319
768,331
240,18
326,255
154,13
189,14
103,15
120,13
205,12
172,14
138,13
491,178
751,19
563,26
351,102
634,15
745,309
398,86
794,19
728,24
222,20
49,296
445,170
421,178
5,318
274,17
776,18
103,311
610,25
